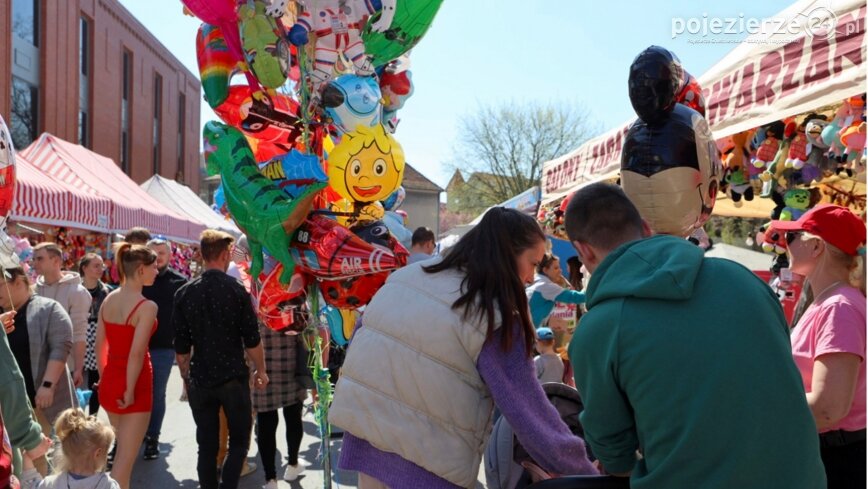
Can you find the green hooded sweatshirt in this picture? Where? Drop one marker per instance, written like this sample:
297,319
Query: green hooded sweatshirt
688,359
24,432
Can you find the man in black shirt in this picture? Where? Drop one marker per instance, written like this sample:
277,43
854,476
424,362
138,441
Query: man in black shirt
214,318
162,292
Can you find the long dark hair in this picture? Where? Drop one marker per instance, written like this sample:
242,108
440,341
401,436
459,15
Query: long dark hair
487,257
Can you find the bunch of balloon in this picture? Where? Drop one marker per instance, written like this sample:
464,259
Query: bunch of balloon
8,255
308,93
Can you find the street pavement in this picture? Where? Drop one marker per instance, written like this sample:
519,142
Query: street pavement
176,467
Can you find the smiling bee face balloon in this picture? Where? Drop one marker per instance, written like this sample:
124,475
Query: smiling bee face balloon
367,166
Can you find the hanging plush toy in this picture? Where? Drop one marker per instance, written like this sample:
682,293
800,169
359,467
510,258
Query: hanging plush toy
266,53
797,202
260,208
736,156
818,163
831,133
773,241
768,148
337,25
797,155
366,167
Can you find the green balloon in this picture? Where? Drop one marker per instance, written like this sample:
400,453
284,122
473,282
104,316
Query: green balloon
260,208
412,19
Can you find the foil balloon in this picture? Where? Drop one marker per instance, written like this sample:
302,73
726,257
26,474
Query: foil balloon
398,27
352,100
326,250
294,172
691,94
280,307
670,164
374,232
342,324
220,200
352,293
337,25
8,256
366,167
7,173
395,223
272,119
395,200
265,51
655,79
259,207
216,63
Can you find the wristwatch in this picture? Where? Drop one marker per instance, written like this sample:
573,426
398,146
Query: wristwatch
47,384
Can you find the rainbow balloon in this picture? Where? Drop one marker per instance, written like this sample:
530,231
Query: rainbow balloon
216,63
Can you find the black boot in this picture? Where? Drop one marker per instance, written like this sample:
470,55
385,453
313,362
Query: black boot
152,448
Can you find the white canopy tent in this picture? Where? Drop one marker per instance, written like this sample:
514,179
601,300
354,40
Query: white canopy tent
182,199
768,77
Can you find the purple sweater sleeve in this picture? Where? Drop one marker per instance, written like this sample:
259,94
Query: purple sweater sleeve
511,378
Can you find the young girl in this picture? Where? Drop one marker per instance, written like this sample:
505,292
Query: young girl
85,442
126,322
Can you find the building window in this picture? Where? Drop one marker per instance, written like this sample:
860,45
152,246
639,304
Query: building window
126,93
182,116
25,20
25,108
84,57
158,111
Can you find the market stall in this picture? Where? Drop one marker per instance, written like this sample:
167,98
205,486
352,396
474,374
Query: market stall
184,201
768,77
96,175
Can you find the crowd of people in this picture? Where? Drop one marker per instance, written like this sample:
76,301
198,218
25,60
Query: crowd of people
688,372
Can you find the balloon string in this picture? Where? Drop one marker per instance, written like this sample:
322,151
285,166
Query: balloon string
6,276
322,382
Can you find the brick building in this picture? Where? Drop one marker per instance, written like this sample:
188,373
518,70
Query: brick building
87,71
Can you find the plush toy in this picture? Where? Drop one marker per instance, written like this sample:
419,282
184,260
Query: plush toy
853,138
798,153
797,201
773,240
817,149
771,143
831,133
773,176
337,25
736,154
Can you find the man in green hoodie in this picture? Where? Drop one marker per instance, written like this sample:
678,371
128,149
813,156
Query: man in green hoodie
683,362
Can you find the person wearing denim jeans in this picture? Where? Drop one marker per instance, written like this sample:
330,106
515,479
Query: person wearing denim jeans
168,281
215,325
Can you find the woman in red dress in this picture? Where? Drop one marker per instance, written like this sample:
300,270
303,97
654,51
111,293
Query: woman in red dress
126,322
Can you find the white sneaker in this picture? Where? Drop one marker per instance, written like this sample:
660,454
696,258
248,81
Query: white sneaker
293,471
271,484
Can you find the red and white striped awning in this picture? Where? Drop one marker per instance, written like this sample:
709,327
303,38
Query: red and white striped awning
102,180
37,198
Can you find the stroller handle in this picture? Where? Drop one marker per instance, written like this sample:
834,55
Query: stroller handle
584,482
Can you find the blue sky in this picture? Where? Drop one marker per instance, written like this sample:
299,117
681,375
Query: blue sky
505,51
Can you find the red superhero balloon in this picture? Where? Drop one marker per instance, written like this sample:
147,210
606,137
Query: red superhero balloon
691,94
326,250
280,307
352,293
272,119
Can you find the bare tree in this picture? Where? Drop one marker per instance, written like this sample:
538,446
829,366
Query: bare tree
507,145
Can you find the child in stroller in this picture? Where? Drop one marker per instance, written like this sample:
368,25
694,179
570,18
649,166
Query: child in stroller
508,465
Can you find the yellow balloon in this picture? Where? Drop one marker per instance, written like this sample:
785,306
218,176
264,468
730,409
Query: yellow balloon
367,165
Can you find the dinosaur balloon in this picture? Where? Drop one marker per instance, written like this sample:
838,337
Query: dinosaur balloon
260,208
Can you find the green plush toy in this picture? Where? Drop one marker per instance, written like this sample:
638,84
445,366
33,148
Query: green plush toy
797,201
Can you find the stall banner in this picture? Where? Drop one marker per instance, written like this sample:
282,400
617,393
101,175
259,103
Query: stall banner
769,76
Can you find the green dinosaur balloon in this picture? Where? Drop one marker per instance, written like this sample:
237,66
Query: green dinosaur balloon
264,50
411,20
260,208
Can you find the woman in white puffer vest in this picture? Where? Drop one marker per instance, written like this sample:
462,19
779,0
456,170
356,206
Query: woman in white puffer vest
433,357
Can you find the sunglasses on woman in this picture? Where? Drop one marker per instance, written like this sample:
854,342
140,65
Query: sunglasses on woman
791,236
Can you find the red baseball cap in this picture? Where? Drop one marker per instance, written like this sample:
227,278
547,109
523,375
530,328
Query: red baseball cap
836,225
